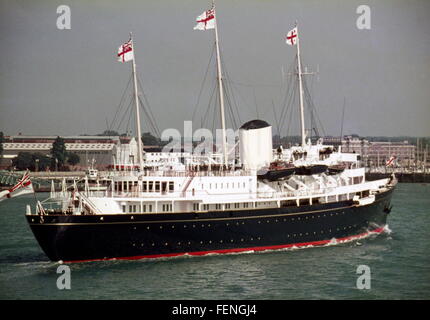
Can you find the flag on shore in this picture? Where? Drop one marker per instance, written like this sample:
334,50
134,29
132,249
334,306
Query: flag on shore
23,186
125,52
206,20
292,37
390,161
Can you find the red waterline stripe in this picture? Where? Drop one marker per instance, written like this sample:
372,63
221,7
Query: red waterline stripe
236,250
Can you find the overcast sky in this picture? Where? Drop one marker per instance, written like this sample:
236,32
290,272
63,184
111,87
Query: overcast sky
68,82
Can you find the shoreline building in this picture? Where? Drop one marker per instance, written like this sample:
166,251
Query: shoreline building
377,153
90,149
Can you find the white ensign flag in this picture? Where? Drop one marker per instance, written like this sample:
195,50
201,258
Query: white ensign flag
206,20
125,52
292,37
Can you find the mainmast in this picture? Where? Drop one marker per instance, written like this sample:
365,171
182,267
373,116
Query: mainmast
302,115
136,98
221,91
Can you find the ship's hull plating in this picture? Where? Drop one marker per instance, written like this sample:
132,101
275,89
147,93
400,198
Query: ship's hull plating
134,236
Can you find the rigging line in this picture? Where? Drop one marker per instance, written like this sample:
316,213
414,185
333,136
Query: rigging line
276,120
130,115
215,109
209,104
288,104
254,85
230,109
124,114
314,110
229,92
149,117
148,106
288,92
121,102
293,85
233,106
226,84
291,108
204,81
149,120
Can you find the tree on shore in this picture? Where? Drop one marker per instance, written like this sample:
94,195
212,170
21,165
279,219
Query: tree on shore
32,161
73,159
58,153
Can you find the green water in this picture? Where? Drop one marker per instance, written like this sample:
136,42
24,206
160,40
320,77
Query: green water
399,262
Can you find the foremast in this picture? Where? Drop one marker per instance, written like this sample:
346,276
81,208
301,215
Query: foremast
136,99
220,86
302,112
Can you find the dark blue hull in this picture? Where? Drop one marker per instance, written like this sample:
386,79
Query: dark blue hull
135,236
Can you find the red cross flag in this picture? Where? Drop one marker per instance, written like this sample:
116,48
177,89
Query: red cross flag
390,162
125,52
206,20
292,37
23,186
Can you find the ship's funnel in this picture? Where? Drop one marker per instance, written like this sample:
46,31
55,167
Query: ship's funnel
255,144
